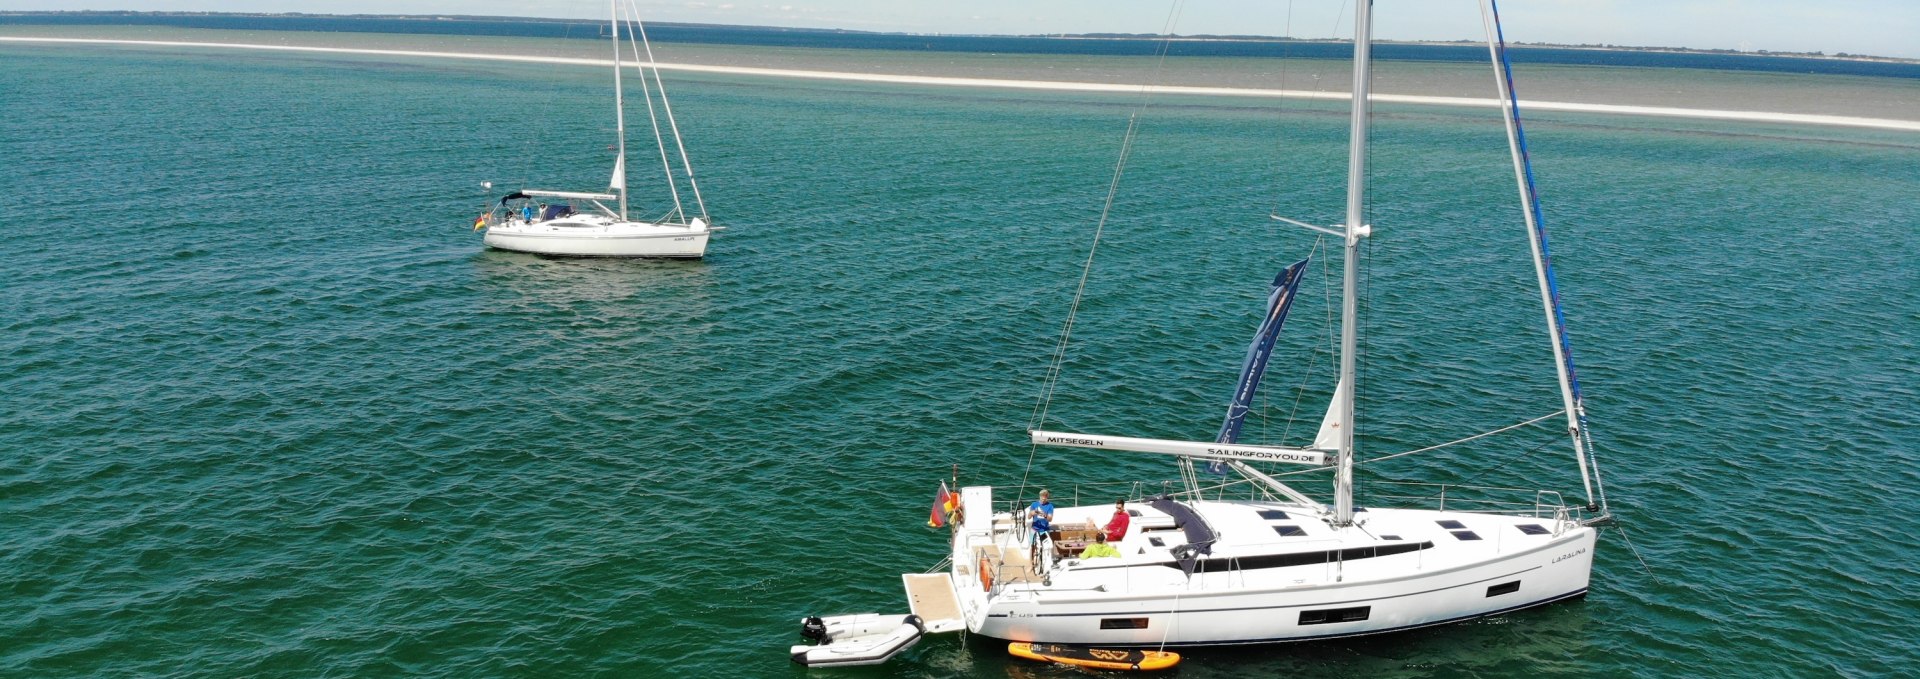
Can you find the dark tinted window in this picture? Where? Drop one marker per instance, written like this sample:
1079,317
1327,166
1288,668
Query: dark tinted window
1273,515
1333,615
1224,564
1123,623
1451,524
1531,529
1504,588
1289,531
1466,535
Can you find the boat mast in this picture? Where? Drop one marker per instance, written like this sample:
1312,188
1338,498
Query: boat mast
1356,229
619,111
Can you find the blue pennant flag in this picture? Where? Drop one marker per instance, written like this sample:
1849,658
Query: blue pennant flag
1278,301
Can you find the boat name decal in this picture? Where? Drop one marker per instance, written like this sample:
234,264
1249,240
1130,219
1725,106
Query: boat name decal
1075,442
1569,555
1259,454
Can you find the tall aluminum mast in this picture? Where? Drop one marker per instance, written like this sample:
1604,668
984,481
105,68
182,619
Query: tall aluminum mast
1356,229
619,111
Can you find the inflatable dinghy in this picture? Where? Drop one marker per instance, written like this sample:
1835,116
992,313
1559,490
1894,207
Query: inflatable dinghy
1096,658
861,639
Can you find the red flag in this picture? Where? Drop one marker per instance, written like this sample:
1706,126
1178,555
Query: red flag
942,503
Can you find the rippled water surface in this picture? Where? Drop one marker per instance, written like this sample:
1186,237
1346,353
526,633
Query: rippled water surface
268,408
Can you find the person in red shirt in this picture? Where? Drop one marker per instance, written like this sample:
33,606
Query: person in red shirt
1117,526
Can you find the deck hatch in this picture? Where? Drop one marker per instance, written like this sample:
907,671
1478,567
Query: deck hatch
1451,524
1531,529
1273,515
1466,535
1289,531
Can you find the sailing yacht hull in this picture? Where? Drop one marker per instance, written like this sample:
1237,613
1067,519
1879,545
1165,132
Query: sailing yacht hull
1145,599
620,240
1237,616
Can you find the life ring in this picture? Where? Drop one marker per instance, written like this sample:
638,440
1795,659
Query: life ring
986,575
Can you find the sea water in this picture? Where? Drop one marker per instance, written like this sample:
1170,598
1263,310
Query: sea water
269,408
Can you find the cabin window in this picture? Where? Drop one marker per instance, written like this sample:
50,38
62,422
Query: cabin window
1451,524
1245,563
1531,529
1503,588
1333,615
1389,537
1123,623
1157,542
1289,531
1273,515
1466,535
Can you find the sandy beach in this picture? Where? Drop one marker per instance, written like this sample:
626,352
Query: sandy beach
1847,101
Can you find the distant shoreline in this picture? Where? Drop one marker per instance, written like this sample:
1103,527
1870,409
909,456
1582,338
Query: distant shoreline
1197,38
1059,86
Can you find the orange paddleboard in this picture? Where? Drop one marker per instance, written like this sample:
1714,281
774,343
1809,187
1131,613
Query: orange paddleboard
1097,658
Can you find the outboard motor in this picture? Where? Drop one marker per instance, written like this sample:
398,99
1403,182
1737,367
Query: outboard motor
813,629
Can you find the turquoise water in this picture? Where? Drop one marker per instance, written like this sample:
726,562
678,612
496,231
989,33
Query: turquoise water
268,408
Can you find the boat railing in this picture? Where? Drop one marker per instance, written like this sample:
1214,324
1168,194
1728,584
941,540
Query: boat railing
1539,504
1536,503
1137,491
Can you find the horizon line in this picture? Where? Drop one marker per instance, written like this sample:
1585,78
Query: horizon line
1048,85
1230,37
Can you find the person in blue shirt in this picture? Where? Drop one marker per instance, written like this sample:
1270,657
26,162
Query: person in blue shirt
1041,513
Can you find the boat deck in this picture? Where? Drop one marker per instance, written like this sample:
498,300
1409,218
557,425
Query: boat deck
1009,565
930,596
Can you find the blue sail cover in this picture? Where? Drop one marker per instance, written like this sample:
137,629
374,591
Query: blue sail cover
1278,301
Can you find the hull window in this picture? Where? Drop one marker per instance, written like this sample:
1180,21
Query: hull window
1333,615
1123,623
1503,588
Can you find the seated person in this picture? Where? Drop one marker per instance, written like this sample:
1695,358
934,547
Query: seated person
1117,526
1099,548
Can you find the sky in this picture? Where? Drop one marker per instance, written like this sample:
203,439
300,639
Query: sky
1874,27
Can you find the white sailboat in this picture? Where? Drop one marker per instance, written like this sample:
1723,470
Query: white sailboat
1264,562
582,224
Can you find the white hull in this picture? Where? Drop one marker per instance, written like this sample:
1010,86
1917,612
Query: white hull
596,236
1247,594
